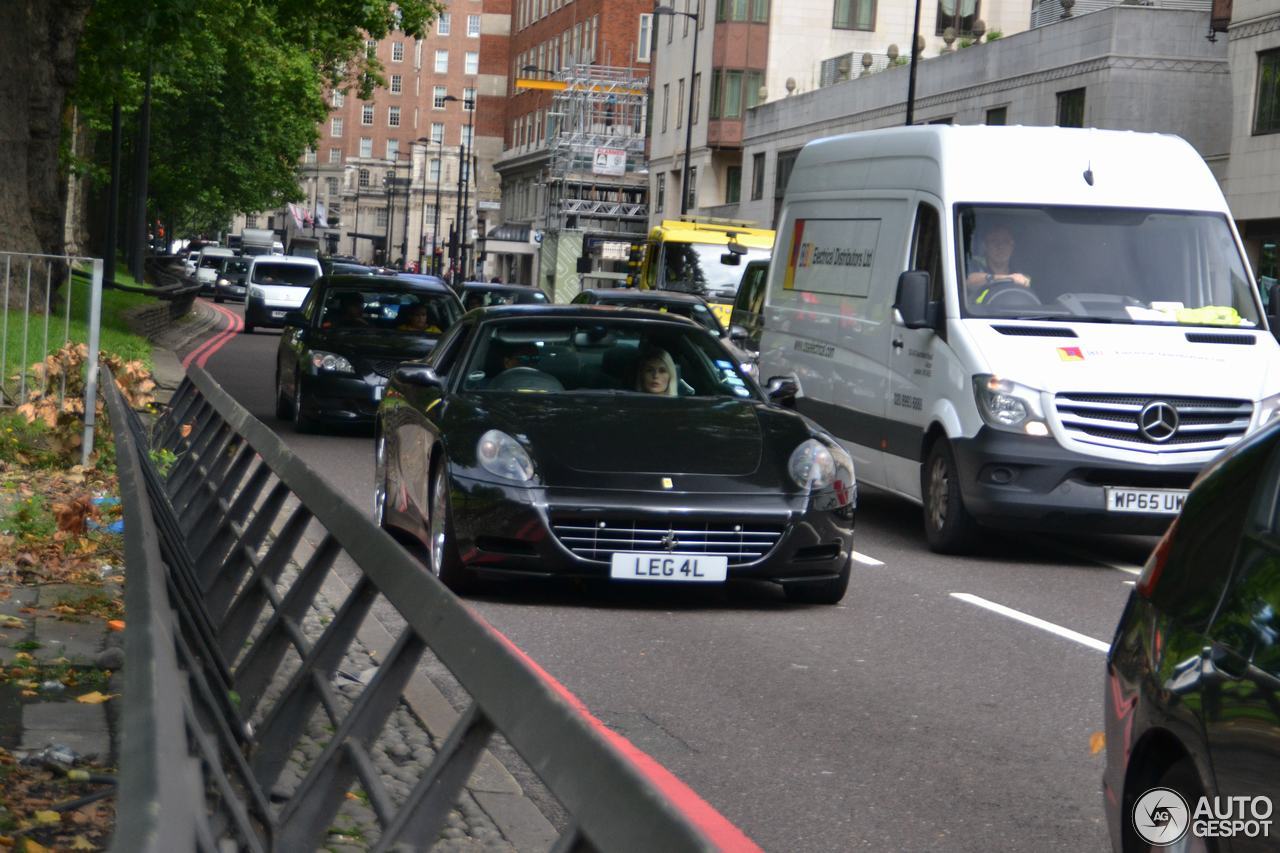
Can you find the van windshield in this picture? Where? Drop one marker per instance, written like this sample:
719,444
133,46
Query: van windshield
297,275
696,268
1102,265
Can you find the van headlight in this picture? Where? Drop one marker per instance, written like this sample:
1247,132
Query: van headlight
502,456
1009,406
1268,410
329,362
257,293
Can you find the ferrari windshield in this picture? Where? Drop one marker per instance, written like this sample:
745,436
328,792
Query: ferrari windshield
556,355
1102,265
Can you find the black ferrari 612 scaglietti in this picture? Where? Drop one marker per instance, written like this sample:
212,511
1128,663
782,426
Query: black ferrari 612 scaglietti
581,441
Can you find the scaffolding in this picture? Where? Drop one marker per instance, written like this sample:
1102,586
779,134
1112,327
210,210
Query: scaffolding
596,176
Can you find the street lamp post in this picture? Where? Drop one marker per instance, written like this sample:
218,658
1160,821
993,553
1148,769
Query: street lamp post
435,221
911,77
688,122
355,233
422,229
404,233
464,182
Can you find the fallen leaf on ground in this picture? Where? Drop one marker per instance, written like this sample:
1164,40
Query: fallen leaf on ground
1097,741
29,846
82,843
11,622
95,698
116,624
47,817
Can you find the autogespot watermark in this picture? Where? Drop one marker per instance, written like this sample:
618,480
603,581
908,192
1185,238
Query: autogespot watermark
1162,817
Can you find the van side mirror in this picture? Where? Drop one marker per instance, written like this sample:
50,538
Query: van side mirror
912,301
1273,307
738,334
419,375
782,390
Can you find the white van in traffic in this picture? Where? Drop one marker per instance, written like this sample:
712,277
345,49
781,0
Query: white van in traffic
276,285
1036,328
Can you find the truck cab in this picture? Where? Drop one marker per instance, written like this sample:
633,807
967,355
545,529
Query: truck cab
703,257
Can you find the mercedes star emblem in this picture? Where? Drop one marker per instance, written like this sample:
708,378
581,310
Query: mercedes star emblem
1158,421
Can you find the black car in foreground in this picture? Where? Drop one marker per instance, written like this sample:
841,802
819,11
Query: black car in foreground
1193,675
480,294
338,351
545,441
230,281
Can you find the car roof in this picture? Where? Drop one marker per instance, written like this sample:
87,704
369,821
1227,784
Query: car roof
497,286
598,312
633,294
296,260
384,282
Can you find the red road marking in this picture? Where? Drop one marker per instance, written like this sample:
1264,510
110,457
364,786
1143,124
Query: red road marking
716,827
200,355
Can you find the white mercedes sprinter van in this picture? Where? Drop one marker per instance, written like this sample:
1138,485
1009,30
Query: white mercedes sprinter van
1030,327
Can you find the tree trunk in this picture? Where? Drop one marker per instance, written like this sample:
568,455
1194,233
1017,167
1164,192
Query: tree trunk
38,43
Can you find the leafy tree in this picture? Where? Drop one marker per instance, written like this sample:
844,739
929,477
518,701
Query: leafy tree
238,88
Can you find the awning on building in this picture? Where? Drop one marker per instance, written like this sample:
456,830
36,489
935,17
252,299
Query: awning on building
510,238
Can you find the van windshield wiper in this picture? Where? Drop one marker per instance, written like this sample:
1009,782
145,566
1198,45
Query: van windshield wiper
1070,318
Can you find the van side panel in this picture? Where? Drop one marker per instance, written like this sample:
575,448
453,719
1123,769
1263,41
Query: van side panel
829,314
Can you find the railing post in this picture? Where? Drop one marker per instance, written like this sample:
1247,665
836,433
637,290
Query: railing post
91,366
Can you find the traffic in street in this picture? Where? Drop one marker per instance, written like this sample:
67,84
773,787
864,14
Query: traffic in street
944,703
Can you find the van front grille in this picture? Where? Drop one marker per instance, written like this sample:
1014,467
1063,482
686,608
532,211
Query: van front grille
1169,425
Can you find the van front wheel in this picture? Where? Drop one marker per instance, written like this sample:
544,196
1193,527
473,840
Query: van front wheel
947,524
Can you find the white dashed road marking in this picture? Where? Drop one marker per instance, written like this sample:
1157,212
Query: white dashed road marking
867,561
1027,619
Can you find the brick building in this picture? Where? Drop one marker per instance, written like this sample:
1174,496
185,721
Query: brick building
585,67
379,163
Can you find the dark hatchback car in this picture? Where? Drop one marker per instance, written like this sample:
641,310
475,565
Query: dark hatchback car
480,294
338,351
230,281
1193,676
544,441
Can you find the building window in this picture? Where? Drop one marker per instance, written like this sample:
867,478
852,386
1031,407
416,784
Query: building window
660,192
644,46
443,24
396,84
335,155
335,126
397,51
339,99
309,156
472,65
331,186
947,120
473,26
997,116
958,14
757,176
732,103
469,99
693,187
366,146
393,149
854,15
442,62
680,104
760,11
370,48
393,116
666,107
382,215
696,94
363,178
366,115
782,176
437,132
733,185
1071,108
1266,116
466,135
434,172
251,220
732,10
438,94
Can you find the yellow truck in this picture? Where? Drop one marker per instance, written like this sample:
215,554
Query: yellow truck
704,257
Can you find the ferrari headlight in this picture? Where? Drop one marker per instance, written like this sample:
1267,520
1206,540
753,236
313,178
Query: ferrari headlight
502,456
328,362
812,465
1009,406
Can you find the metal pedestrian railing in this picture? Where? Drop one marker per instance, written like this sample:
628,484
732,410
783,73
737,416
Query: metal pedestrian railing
220,583
42,299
